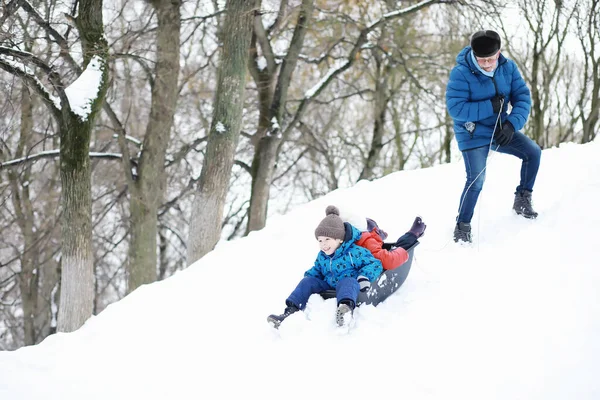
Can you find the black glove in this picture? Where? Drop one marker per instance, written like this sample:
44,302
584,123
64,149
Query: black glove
497,103
364,283
504,136
388,246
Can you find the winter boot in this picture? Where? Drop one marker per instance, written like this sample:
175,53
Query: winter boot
522,204
276,320
418,227
462,232
343,314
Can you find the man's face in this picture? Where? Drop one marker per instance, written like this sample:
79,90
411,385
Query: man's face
488,64
328,245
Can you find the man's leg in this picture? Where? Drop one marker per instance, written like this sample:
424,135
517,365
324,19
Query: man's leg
475,162
530,154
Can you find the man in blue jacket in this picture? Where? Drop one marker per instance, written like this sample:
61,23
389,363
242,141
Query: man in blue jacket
480,87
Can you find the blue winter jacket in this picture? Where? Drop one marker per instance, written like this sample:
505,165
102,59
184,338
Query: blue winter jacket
349,260
468,97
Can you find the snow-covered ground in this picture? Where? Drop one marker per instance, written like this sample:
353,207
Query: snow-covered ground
514,316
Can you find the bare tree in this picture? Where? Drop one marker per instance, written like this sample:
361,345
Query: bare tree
273,83
588,33
29,222
147,186
74,114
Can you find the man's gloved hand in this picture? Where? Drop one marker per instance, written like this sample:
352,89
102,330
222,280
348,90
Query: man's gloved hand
497,103
504,136
364,283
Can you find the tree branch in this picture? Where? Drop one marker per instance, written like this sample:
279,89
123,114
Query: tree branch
60,40
265,44
352,56
10,9
122,140
142,62
33,82
53,154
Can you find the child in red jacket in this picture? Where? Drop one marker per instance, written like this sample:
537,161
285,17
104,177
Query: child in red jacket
391,255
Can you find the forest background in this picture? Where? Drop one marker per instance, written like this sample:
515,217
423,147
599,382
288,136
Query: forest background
136,135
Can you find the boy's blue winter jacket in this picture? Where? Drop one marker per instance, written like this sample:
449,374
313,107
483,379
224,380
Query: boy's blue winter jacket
349,260
468,96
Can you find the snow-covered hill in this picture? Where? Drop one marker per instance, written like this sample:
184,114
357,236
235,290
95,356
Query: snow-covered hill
514,316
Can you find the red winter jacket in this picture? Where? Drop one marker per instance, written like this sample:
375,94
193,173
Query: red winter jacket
390,259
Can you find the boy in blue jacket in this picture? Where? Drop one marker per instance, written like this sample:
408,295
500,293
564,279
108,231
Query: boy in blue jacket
480,87
340,265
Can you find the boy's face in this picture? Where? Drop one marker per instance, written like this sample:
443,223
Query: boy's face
329,245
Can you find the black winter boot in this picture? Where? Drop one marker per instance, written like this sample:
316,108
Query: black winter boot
522,204
462,232
276,320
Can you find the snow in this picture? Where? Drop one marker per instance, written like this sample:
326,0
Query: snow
261,63
41,154
338,65
516,315
220,128
132,139
16,64
84,90
274,123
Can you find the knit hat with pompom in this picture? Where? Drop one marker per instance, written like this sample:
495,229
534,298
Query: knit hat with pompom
332,225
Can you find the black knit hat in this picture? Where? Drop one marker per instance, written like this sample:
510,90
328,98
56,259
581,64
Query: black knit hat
485,43
332,225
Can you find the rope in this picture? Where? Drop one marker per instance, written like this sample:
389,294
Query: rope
484,168
486,158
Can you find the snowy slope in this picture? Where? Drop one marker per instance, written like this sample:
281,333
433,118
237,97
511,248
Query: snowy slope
514,316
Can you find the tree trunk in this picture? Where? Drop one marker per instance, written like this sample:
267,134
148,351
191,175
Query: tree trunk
537,113
263,167
162,254
29,275
265,156
77,280
380,103
147,191
209,201
446,148
592,75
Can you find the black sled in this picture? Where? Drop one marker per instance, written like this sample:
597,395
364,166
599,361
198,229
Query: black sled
384,286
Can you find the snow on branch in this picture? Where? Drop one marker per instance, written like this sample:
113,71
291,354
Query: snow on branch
16,66
131,139
402,12
25,56
336,69
52,154
32,157
84,90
